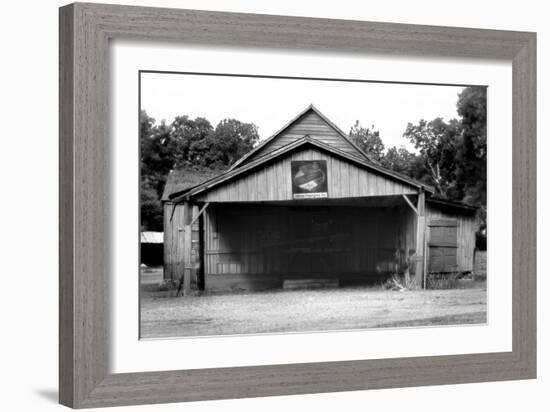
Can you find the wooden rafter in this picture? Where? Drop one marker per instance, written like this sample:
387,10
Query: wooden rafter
410,204
200,213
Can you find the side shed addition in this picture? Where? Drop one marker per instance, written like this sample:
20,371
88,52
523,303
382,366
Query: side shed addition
307,206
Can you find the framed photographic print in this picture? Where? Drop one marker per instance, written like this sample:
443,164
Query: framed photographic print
285,201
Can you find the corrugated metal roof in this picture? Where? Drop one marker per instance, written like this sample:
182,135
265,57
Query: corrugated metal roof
152,237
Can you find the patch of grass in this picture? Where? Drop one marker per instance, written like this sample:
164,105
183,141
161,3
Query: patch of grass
398,283
442,280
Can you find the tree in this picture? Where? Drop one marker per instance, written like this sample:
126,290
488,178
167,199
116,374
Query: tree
185,143
472,154
146,124
186,136
368,140
231,140
472,108
150,208
156,157
399,160
455,153
155,163
195,143
437,143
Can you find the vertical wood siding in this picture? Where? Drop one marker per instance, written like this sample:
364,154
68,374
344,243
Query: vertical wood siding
244,242
466,240
273,182
254,240
174,241
313,125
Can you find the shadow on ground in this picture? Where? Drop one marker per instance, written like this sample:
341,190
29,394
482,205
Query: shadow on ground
51,395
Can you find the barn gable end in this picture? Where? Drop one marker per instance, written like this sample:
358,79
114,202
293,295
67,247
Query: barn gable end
310,122
272,182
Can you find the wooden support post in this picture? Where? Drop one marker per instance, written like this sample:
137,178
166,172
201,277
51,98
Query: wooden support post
420,240
407,264
187,247
425,265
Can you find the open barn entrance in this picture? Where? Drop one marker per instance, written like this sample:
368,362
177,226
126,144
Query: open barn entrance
252,246
316,244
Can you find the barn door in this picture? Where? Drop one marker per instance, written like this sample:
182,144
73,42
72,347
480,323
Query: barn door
443,246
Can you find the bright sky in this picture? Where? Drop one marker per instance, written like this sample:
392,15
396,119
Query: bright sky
271,103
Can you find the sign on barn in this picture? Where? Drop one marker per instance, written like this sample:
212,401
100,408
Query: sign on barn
307,206
309,179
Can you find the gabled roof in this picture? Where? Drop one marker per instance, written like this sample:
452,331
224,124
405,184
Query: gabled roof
279,134
305,140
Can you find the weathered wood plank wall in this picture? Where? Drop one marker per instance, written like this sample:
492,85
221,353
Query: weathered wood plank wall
242,240
466,238
273,182
313,125
174,241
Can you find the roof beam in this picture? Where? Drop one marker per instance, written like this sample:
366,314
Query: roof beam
410,204
200,213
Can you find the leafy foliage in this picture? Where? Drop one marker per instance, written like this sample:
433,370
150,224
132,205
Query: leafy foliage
472,108
455,152
450,155
402,161
368,140
230,141
155,155
187,138
151,208
437,143
185,144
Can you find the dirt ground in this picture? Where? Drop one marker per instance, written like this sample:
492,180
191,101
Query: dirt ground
163,315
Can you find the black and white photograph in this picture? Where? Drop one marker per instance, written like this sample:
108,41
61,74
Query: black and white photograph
296,205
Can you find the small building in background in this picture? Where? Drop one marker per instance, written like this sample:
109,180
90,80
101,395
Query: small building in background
152,248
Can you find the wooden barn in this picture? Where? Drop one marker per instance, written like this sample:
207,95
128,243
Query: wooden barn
307,205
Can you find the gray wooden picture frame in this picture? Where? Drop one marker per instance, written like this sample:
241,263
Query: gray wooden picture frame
85,31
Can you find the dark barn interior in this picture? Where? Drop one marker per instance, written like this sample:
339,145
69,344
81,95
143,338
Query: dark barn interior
277,245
